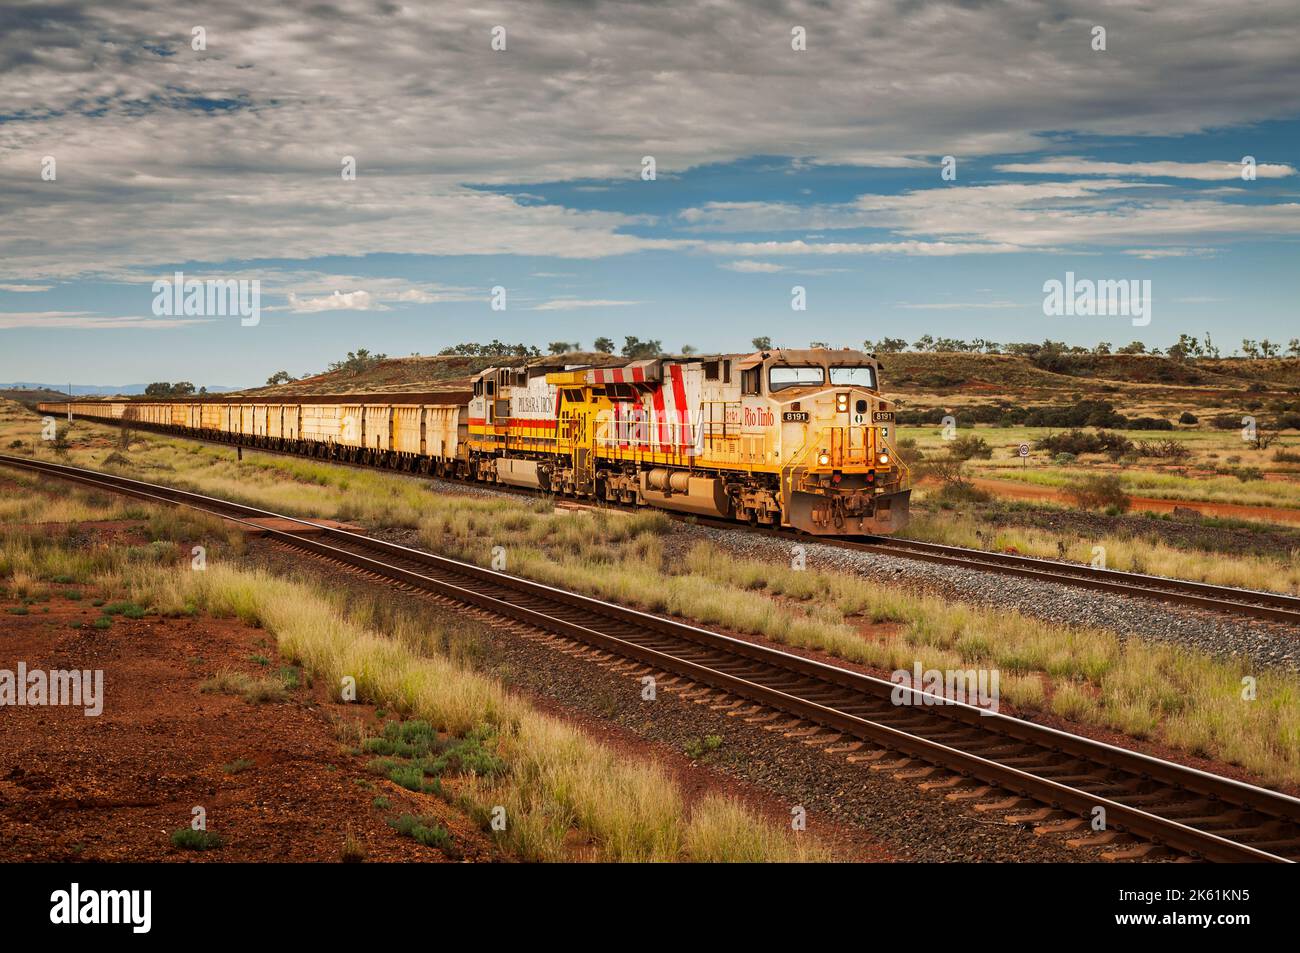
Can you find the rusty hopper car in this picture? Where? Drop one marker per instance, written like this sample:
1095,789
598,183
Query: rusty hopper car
794,438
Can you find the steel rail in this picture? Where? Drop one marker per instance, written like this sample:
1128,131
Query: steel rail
1275,606
761,674
1271,606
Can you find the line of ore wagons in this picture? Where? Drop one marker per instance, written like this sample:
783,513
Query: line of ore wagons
405,425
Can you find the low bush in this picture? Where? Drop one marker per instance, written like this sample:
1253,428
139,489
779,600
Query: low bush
425,830
1164,449
191,839
970,447
1099,492
1082,441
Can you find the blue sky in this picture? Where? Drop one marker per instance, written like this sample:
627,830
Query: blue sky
521,168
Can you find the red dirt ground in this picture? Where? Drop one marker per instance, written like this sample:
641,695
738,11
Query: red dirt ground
114,787
1027,491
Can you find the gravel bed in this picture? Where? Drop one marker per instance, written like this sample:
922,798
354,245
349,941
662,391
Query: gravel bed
1215,536
895,815
1265,644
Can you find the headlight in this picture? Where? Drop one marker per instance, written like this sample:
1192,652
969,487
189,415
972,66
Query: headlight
824,459
884,459
842,403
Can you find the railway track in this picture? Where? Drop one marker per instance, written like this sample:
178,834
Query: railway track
1026,772
1253,603
1275,607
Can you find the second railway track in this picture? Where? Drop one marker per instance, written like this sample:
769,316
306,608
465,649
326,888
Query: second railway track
991,760
1252,603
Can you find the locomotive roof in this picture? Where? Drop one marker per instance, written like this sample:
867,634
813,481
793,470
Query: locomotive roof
833,357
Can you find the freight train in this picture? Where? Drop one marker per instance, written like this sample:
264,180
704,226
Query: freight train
793,438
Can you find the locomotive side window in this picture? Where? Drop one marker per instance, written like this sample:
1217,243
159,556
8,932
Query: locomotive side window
854,376
726,372
783,376
711,370
749,380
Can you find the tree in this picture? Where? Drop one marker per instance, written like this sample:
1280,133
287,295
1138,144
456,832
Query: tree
1250,348
688,350
819,345
634,349
1137,347
1293,347
1268,349
604,345
357,361
1264,436
762,344
494,349
563,347
924,343
1187,346
279,377
887,345
164,389
1102,347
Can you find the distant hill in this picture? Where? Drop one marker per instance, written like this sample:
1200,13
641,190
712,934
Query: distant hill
95,390
406,375
1134,383
28,396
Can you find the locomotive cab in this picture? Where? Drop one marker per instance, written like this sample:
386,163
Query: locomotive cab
841,472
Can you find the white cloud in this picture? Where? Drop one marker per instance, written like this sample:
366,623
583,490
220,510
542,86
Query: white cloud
234,155
21,288
960,305
1150,254
800,247
1204,171
338,301
1004,217
571,304
87,320
745,266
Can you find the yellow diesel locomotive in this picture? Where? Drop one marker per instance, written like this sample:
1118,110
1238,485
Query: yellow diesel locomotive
793,438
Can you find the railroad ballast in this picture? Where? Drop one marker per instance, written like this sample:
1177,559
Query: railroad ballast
795,438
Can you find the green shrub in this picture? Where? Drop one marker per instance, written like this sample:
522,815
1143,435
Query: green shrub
1099,492
1081,441
425,830
191,839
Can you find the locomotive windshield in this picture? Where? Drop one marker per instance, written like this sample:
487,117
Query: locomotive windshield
854,376
782,376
